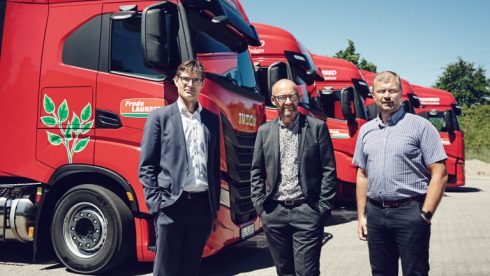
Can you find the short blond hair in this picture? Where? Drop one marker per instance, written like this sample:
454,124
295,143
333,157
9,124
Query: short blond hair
386,76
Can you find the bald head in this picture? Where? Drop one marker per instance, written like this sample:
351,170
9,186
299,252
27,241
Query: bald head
285,98
283,85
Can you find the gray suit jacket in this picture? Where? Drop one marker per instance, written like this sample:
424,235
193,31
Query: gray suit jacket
164,162
317,175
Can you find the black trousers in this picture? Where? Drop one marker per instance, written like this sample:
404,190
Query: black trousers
182,230
398,233
295,236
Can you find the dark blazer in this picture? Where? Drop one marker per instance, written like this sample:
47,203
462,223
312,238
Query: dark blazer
317,175
164,162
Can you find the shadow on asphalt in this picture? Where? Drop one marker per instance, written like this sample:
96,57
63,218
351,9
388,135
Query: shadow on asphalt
132,268
341,215
249,255
14,252
20,254
462,190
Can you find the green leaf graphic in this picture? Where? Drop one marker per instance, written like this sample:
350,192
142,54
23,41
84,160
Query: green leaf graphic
48,104
68,134
86,112
86,127
49,121
63,111
54,139
81,144
75,123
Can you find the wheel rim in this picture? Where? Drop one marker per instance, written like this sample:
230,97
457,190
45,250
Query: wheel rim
85,230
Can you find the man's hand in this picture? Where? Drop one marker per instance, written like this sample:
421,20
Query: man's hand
361,198
362,229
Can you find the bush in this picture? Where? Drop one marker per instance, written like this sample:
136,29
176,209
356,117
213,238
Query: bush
475,124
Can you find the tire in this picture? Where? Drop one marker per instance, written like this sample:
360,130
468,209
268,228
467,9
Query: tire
92,230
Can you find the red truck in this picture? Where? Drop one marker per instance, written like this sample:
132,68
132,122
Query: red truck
78,81
281,55
339,74
410,100
442,110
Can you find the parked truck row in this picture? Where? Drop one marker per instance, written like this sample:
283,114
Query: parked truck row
79,79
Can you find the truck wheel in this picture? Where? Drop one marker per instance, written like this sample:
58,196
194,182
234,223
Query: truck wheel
92,229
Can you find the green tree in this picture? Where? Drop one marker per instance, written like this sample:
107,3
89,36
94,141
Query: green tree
476,127
468,84
350,54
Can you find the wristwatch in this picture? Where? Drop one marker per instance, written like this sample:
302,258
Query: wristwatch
427,214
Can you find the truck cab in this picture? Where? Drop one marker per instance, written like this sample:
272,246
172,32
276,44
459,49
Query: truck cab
341,76
280,55
79,79
441,109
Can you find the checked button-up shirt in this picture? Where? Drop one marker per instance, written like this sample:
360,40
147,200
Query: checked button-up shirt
396,155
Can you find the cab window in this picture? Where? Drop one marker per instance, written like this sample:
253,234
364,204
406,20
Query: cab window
126,51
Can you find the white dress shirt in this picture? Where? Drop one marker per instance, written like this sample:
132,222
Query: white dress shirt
197,150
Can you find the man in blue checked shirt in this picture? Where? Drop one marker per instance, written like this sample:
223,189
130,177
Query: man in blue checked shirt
401,177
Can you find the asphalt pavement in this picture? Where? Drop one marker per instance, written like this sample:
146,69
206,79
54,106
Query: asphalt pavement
460,245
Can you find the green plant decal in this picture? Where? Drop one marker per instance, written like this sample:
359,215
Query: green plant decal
69,135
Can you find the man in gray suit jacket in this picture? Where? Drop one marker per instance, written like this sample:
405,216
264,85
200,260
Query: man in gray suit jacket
180,172
293,183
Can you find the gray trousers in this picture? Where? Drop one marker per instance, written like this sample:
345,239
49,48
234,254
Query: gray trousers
182,230
294,234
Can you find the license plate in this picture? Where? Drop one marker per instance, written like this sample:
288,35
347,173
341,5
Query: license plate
247,231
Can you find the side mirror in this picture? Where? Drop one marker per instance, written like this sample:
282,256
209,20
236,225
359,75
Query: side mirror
414,100
406,106
372,111
448,121
457,110
255,37
346,98
310,76
157,34
275,72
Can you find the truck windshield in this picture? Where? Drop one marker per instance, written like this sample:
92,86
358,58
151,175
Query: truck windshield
222,51
437,119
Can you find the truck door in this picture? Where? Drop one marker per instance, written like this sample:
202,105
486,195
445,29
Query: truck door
127,90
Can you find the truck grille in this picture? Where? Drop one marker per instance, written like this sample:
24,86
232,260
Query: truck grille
239,148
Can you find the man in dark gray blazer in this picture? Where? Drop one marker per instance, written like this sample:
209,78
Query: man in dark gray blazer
180,172
293,183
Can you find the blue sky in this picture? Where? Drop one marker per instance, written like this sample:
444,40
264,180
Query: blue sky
415,38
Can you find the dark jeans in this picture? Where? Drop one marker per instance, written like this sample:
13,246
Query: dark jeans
398,233
295,236
182,230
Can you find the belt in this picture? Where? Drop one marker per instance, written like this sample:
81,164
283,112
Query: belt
397,203
194,195
291,202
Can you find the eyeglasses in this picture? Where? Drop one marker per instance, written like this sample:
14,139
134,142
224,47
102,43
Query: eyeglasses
390,91
283,98
195,81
